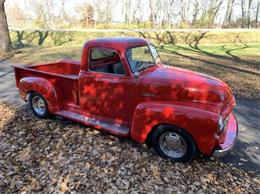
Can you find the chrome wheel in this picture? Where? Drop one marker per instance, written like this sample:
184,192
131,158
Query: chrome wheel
38,105
172,144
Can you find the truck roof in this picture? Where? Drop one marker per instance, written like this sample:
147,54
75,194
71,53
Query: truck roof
118,43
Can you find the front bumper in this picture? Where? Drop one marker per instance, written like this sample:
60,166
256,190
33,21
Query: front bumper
231,137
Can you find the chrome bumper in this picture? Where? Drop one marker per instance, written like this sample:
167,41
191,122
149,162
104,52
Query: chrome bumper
231,138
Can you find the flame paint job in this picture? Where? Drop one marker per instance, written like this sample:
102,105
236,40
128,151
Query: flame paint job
159,95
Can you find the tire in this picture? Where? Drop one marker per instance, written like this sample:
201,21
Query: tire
173,143
39,105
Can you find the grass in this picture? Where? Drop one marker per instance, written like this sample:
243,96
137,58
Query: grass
31,38
224,50
236,64
46,54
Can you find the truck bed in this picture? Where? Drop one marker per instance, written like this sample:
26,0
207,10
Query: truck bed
64,67
63,75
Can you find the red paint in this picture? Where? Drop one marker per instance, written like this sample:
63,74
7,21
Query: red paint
128,105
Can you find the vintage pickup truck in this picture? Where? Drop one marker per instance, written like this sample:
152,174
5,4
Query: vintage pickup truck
121,86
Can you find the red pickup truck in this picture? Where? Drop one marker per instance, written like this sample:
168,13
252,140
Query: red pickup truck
121,86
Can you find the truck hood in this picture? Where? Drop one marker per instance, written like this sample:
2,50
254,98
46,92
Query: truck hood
166,83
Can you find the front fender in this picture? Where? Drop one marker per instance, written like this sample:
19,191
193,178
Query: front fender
41,86
200,124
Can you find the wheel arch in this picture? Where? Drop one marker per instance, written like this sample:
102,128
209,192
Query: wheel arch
149,116
28,93
28,85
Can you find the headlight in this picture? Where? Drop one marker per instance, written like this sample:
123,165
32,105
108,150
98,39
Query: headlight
220,124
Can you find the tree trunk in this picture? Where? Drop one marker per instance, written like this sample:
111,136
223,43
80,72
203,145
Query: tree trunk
248,13
243,13
257,13
5,41
229,12
195,13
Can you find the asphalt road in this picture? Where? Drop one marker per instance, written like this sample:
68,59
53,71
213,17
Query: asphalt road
245,155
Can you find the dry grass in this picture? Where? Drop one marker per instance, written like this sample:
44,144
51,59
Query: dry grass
31,38
240,70
241,74
46,54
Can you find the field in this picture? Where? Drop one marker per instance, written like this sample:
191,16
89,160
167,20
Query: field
233,57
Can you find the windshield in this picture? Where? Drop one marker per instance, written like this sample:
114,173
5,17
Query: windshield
142,57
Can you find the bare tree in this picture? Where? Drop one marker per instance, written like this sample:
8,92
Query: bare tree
63,12
168,9
257,13
46,17
209,10
16,15
5,41
229,12
248,13
185,6
213,10
161,13
137,10
127,11
245,9
155,12
243,12
87,14
195,12
152,12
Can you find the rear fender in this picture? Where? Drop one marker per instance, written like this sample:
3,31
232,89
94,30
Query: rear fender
41,86
200,124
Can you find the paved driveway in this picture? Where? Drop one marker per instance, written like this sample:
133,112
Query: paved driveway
245,155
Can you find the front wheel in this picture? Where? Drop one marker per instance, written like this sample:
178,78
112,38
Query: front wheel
39,105
173,143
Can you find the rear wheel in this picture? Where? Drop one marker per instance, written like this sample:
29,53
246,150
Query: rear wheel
173,143
39,105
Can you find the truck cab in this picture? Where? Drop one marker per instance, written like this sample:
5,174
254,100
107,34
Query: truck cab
121,86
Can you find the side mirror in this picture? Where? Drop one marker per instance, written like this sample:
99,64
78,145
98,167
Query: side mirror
136,75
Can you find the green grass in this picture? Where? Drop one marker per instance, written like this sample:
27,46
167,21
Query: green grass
239,69
234,57
31,38
224,50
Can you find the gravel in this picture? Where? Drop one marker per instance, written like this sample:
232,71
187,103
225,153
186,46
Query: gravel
59,156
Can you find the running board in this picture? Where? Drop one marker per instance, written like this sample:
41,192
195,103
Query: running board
116,129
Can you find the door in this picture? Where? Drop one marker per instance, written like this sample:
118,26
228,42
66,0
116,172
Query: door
105,91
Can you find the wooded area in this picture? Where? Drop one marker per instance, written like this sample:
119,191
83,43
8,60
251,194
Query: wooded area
121,14
135,13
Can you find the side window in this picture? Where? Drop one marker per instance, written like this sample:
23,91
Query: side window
106,61
101,53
